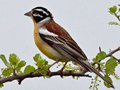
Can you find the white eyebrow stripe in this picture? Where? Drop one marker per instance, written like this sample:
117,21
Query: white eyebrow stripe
42,11
44,31
38,15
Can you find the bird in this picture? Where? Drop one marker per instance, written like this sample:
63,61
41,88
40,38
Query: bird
56,43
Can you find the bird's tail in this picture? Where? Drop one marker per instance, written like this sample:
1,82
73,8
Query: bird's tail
88,66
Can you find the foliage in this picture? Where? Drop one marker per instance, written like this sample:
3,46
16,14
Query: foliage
42,65
107,67
1,85
94,83
115,10
114,23
14,66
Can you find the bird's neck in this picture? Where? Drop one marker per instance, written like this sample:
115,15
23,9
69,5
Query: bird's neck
41,23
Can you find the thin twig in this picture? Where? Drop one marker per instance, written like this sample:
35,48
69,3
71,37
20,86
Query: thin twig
99,49
112,52
117,16
108,55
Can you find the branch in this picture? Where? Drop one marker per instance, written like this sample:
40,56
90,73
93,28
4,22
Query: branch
20,78
109,55
112,52
117,16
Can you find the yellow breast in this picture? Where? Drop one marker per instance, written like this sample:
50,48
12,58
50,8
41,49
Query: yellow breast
45,48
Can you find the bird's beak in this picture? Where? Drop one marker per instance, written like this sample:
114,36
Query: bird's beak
28,14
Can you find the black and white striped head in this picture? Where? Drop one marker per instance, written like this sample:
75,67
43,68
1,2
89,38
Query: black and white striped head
39,14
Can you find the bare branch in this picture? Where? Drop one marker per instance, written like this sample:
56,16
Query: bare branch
20,78
112,52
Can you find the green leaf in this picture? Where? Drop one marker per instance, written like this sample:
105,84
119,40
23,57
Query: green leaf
2,69
95,59
110,66
43,70
113,23
7,72
20,72
113,9
101,55
118,4
36,57
29,69
110,12
118,10
109,79
43,66
41,63
1,85
14,59
20,65
4,60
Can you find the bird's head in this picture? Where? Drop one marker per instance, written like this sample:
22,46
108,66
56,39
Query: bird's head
39,15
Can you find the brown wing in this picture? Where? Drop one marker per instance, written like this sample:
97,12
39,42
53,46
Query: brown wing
64,35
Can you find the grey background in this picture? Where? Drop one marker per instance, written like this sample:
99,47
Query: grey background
86,21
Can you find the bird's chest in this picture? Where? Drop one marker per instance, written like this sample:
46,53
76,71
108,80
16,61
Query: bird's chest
44,47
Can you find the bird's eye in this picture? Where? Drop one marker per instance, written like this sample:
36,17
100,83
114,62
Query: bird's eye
41,13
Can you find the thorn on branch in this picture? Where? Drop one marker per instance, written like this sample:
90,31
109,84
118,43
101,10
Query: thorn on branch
19,81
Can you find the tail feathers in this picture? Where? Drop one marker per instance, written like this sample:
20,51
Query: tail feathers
88,66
